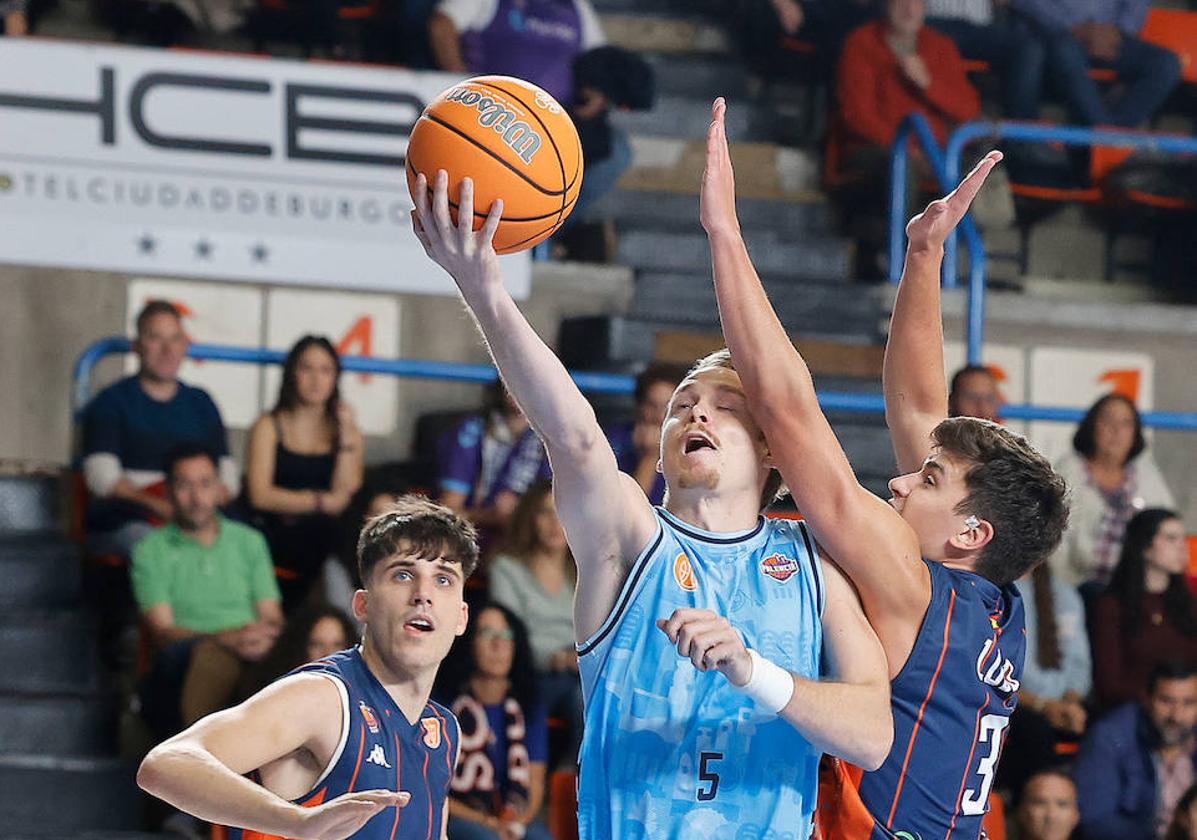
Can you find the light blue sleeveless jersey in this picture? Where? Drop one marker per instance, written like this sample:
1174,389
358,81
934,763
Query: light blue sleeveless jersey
672,752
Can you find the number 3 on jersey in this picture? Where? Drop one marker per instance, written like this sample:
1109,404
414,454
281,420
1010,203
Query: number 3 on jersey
977,798
708,776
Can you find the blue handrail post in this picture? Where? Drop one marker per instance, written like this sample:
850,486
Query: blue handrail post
899,157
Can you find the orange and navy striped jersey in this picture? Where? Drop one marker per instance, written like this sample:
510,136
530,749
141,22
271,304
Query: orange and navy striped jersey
952,703
380,749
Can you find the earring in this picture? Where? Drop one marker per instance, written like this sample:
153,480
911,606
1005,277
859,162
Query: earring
972,522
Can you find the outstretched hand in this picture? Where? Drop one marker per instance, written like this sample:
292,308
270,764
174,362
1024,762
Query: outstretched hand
931,228
344,816
717,208
468,255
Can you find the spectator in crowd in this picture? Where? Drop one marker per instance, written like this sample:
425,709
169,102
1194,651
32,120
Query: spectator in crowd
1066,38
304,463
1184,820
1147,614
207,596
488,461
637,443
1136,762
973,26
974,393
131,425
14,18
487,681
1056,678
1111,477
889,69
311,634
767,28
1048,809
536,40
533,576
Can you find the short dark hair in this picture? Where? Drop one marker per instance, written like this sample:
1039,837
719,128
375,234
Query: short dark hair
775,486
1170,669
152,309
1011,486
656,372
422,527
185,452
958,379
1084,441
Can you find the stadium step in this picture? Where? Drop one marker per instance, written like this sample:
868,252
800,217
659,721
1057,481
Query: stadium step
47,795
698,76
689,116
672,33
673,211
38,572
47,651
804,307
763,170
30,504
822,258
58,725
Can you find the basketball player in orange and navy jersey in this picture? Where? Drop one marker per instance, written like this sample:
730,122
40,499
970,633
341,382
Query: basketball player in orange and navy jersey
350,745
976,508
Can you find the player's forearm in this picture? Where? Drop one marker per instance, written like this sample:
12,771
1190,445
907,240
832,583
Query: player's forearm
912,375
191,779
541,385
774,375
852,721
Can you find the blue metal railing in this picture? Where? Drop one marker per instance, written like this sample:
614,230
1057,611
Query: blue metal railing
607,383
946,167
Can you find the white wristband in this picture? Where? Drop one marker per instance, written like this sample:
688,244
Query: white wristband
770,685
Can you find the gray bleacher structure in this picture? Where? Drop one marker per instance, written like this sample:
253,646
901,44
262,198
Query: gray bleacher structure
60,775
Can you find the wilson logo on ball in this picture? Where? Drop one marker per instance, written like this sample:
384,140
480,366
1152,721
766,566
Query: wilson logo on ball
498,117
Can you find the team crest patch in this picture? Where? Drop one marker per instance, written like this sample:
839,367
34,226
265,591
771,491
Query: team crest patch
370,718
779,567
432,732
683,573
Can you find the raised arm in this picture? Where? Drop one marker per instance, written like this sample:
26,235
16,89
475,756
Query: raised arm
916,395
202,770
606,516
867,538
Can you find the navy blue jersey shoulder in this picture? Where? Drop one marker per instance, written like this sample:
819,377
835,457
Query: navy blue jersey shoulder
379,748
952,703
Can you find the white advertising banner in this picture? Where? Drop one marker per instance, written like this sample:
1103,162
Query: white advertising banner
1077,378
213,313
357,325
213,166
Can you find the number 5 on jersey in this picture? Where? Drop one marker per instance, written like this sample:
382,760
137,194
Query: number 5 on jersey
708,775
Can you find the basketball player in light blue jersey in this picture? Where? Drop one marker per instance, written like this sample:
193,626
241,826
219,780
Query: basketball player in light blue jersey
671,751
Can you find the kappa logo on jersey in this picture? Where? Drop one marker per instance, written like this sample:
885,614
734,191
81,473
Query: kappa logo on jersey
779,567
378,756
1000,673
370,718
432,732
683,573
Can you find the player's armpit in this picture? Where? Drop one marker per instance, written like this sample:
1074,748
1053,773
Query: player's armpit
608,522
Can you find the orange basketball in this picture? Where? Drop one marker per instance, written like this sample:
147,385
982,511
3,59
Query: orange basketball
517,144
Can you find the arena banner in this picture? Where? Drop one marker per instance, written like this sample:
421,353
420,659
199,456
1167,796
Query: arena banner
213,166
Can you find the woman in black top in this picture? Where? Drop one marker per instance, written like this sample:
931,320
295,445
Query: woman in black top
304,465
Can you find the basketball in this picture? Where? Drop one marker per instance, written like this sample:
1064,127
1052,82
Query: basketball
515,141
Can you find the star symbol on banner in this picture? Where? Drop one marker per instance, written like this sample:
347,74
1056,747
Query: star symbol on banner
260,253
204,249
146,244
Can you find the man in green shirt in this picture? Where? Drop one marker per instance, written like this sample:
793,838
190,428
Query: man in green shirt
206,591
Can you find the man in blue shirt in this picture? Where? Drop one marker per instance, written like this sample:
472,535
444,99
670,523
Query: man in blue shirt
1136,762
131,425
1068,37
